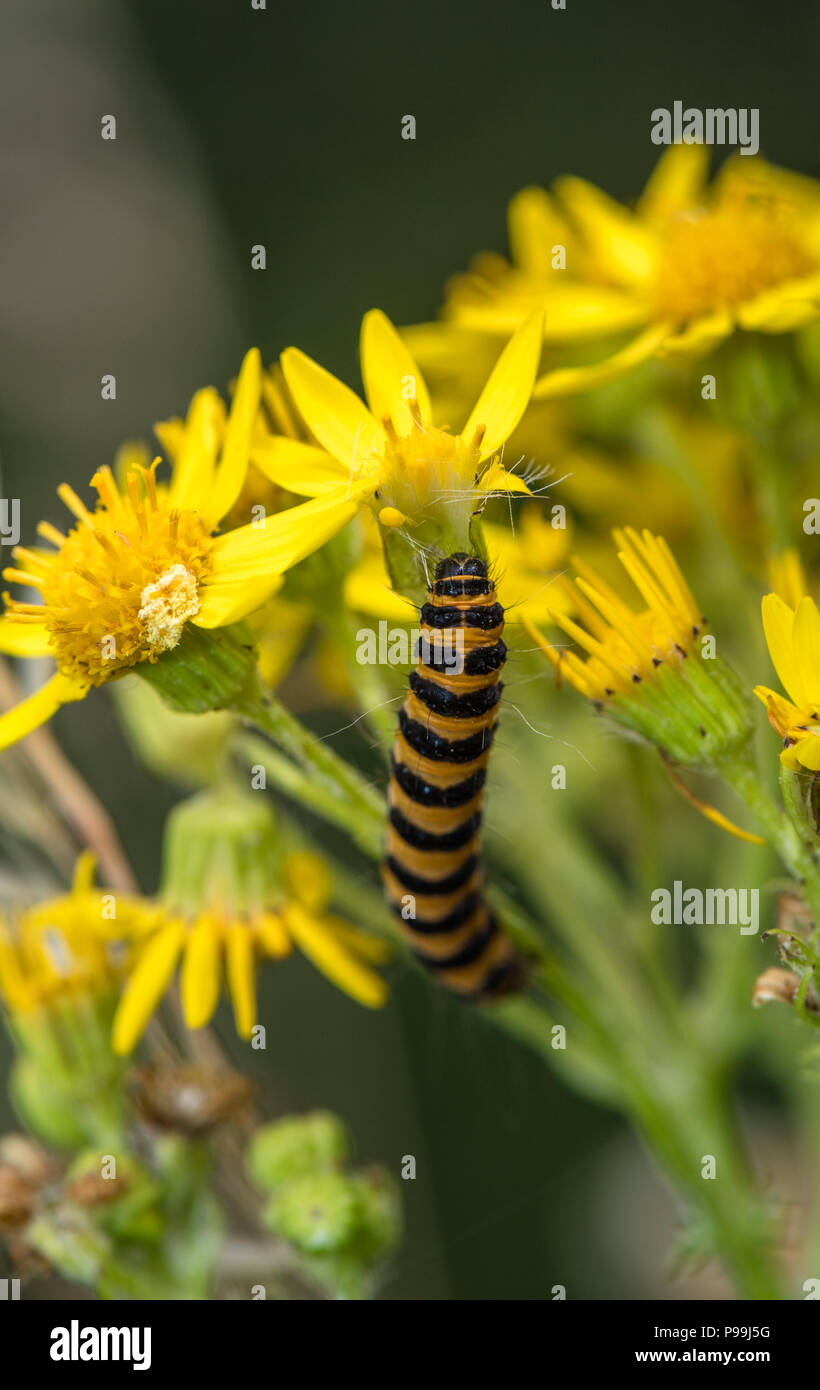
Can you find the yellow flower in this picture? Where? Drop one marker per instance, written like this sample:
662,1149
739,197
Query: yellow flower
282,623
227,902
793,638
218,941
691,265
276,414
625,647
551,269
55,951
647,668
391,456
121,587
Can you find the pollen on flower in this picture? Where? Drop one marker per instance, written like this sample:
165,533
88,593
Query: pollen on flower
167,605
424,466
725,257
122,583
388,516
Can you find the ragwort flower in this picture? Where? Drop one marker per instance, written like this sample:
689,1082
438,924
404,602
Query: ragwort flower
649,669
230,899
690,266
122,586
54,952
389,455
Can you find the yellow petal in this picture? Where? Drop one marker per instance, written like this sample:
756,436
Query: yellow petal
807,752
281,628
146,986
534,548
328,954
193,470
241,971
786,714
788,578
390,375
200,974
16,989
300,468
261,553
24,639
676,183
534,226
778,625
233,464
701,336
335,415
783,309
37,709
308,879
806,647
82,880
170,434
507,392
572,312
370,948
565,663
368,590
622,246
567,381
497,478
272,936
221,604
711,813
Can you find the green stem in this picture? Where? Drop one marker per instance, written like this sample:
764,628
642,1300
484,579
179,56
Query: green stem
670,1091
346,797
678,1105
771,479
366,679
658,433
366,830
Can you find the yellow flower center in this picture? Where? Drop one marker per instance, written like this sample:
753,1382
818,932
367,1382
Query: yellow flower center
726,257
426,466
123,582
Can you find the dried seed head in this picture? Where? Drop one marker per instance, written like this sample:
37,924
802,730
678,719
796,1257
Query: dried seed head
781,986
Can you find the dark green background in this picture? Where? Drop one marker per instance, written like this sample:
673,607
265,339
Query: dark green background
283,127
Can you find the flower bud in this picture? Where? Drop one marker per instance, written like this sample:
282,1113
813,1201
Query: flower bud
295,1147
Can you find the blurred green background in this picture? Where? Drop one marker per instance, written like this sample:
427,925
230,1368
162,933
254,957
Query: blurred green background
282,127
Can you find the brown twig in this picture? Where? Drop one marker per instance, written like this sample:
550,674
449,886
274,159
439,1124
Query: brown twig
83,812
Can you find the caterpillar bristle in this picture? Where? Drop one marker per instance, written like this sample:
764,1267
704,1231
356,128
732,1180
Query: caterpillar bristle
438,766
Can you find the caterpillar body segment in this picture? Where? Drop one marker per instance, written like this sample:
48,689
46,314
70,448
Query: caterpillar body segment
433,870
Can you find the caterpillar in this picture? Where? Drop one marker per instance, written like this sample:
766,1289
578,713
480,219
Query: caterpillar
438,765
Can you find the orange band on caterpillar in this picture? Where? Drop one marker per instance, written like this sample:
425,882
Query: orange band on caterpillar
438,767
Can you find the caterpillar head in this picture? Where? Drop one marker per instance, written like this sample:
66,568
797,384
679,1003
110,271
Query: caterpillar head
461,563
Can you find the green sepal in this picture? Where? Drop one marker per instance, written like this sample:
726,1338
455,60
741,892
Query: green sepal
208,669
411,566
801,797
296,1146
220,846
696,711
45,1112
70,1242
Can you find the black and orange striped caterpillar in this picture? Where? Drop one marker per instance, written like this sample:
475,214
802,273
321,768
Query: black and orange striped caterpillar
433,871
